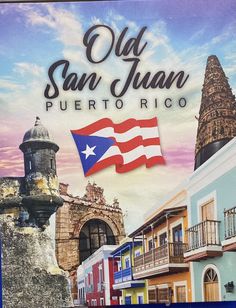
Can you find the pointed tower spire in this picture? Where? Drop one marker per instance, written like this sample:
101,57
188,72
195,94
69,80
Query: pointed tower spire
217,115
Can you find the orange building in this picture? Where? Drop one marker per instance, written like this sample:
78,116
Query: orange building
164,242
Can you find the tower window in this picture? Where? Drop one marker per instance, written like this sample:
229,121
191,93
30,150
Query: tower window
30,165
51,163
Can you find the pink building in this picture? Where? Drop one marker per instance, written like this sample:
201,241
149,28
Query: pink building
98,275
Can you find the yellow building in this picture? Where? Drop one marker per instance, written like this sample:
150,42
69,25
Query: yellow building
133,290
163,237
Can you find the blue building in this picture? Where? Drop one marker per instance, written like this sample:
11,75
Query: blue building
133,291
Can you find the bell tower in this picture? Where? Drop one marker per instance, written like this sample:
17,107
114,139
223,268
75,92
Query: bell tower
41,184
217,115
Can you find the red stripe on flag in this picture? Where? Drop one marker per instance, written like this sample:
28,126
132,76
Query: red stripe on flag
120,168
113,160
156,160
132,165
118,128
148,122
135,142
139,162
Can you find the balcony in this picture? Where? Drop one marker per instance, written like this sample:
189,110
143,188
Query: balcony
229,244
123,275
167,258
123,280
203,241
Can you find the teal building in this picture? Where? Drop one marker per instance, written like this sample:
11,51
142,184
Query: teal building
212,227
211,233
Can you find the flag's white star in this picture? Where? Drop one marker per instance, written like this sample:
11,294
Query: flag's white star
88,151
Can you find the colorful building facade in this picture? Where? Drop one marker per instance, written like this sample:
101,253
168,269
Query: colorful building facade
133,291
212,231
211,190
96,273
81,300
186,248
164,243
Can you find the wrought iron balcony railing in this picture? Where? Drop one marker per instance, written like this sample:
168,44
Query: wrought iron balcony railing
204,234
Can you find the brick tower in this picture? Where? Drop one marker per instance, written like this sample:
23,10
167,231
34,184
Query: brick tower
217,115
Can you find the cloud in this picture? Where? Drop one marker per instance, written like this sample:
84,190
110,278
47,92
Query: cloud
66,26
25,68
198,34
6,84
177,126
11,161
227,33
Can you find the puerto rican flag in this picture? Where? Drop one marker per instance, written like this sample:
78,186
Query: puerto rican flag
127,145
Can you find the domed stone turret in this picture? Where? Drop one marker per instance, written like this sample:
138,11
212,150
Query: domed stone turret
38,133
42,188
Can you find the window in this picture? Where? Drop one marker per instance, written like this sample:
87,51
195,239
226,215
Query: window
137,253
51,163
211,286
163,238
102,303
152,296
127,262
150,245
164,295
91,281
177,233
118,265
180,294
100,274
30,165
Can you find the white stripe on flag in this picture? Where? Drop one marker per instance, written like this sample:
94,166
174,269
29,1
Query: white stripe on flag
145,132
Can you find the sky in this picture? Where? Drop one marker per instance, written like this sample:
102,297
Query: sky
180,35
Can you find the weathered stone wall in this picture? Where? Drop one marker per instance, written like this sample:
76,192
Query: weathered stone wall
11,189
31,276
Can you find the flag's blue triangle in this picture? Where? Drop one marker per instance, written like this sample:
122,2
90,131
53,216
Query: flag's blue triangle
93,147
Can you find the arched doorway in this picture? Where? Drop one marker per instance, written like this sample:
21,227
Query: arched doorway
94,234
211,285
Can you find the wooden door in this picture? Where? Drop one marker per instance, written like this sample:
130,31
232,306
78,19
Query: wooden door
208,210
211,292
180,294
211,286
208,227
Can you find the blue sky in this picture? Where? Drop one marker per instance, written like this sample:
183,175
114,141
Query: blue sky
187,23
180,35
